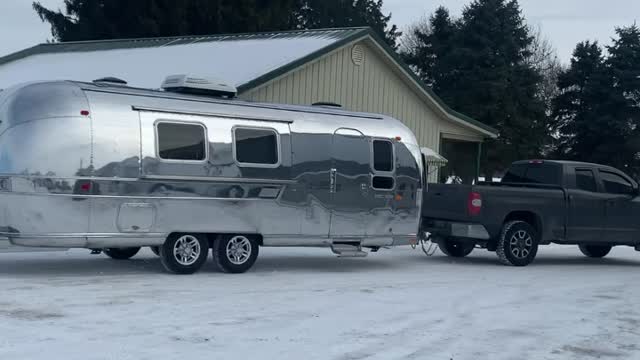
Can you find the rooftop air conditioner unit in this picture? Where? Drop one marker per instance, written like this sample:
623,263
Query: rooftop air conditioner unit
197,85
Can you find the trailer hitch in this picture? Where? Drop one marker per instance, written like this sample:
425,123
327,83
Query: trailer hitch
429,247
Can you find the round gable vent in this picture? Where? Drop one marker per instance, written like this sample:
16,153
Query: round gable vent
357,55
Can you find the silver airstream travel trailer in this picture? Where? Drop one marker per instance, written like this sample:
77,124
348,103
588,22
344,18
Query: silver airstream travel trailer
112,168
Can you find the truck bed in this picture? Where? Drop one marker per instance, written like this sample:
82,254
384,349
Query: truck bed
546,203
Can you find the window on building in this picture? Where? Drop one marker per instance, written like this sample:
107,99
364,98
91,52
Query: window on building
615,184
382,155
256,146
181,141
585,180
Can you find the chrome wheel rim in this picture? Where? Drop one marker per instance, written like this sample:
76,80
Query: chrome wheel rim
238,250
187,250
521,244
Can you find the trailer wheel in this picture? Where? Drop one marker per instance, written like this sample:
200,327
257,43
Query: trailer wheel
455,249
155,250
184,253
235,253
121,253
595,251
517,244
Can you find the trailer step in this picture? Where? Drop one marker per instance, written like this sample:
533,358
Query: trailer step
348,250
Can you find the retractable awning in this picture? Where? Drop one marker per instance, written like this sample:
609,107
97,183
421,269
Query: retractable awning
433,158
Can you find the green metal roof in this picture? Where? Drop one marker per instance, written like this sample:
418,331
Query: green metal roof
137,43
339,37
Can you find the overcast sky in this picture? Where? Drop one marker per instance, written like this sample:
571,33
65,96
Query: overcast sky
565,22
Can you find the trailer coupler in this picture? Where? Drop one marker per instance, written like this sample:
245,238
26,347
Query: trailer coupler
428,246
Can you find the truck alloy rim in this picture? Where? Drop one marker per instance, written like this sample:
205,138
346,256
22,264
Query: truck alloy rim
521,244
186,250
238,250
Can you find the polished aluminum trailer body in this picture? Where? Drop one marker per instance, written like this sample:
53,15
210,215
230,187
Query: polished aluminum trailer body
80,167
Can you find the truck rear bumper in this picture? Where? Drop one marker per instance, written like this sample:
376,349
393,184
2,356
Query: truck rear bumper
456,229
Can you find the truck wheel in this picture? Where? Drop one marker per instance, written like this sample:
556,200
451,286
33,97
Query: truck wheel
121,254
235,253
184,253
455,249
517,244
595,251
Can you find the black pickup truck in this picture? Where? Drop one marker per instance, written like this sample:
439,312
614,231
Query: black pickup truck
536,203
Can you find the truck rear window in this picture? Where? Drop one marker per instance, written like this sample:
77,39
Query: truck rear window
542,173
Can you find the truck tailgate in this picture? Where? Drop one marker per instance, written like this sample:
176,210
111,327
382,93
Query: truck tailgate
446,201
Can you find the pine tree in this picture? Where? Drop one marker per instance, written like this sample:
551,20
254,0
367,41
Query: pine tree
598,110
480,65
112,19
434,43
315,14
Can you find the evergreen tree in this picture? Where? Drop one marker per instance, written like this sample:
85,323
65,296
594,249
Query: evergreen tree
433,45
315,14
112,19
481,66
598,109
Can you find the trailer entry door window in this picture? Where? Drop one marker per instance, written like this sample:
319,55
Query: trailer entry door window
382,156
181,141
256,147
383,165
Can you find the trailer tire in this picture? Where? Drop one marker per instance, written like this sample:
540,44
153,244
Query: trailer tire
155,250
517,244
184,254
595,251
121,253
235,253
454,248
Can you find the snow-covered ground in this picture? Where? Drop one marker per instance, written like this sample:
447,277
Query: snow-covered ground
307,304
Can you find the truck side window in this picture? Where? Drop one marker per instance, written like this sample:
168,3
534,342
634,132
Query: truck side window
256,147
181,141
585,180
616,184
543,173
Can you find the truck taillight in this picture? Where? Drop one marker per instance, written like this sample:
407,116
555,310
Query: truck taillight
474,205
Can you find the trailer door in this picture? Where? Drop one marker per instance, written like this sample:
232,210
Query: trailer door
349,183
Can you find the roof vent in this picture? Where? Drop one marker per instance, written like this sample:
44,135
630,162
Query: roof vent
327,104
110,80
194,85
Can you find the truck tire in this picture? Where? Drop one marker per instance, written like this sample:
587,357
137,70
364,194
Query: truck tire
595,251
122,253
455,249
235,253
517,244
184,254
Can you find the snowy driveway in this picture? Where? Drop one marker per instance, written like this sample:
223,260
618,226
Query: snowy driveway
307,304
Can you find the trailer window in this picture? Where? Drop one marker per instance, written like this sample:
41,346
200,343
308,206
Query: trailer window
382,156
181,141
256,147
